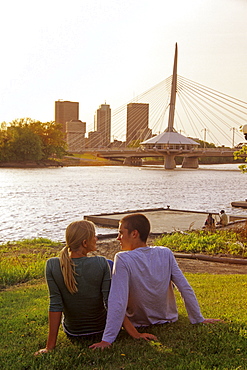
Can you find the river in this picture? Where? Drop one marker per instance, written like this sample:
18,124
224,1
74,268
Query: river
42,202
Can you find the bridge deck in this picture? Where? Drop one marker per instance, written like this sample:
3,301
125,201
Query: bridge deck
142,153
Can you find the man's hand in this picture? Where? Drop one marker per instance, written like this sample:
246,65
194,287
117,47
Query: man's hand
131,330
211,321
102,345
146,336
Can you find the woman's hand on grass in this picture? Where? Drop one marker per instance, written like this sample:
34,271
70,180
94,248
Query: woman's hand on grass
101,345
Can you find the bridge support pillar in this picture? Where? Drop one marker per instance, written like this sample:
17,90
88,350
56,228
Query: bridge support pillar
169,162
190,162
133,161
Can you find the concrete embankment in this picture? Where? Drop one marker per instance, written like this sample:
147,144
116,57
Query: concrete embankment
162,220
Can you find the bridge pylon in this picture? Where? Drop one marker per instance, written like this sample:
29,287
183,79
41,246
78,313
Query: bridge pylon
170,138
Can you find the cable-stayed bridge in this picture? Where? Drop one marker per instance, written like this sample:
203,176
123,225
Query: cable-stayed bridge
180,108
200,112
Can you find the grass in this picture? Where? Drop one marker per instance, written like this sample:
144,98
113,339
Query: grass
25,260
21,261
181,345
88,155
227,242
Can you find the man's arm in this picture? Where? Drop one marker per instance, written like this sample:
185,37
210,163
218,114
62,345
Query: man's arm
131,330
186,292
189,297
117,304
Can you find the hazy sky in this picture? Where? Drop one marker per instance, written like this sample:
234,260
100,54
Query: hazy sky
92,51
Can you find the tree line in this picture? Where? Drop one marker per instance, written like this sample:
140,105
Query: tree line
26,139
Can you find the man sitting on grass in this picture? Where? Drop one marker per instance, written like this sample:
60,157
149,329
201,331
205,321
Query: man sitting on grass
142,285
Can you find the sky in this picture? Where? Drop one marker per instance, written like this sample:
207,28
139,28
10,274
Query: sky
95,51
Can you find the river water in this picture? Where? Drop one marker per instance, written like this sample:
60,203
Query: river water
42,202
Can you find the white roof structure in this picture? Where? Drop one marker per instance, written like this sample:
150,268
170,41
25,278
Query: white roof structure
168,137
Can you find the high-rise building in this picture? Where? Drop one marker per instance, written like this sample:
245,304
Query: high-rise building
137,121
66,111
102,124
75,135
94,140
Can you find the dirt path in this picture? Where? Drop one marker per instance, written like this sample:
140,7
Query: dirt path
109,248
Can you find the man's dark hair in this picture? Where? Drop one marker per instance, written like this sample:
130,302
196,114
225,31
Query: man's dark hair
138,222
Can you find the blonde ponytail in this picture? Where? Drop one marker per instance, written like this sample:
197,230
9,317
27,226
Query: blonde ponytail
68,270
76,232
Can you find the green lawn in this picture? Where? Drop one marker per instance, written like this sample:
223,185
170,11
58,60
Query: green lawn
181,345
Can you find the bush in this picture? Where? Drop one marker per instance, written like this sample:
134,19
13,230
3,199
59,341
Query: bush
220,242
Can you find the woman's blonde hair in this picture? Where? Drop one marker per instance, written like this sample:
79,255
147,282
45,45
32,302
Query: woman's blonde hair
75,234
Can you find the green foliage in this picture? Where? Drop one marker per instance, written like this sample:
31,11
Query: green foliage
180,345
219,242
29,140
241,154
204,144
25,260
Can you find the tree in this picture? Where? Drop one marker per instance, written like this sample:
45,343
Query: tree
26,145
242,154
204,144
20,144
26,139
52,137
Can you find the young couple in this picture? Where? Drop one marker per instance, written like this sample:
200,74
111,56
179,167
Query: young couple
141,292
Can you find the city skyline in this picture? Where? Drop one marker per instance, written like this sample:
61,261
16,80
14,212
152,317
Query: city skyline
101,52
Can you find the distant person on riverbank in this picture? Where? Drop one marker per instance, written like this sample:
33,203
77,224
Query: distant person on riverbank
142,285
210,222
78,287
223,218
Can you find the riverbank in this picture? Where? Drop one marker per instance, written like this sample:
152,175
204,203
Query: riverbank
32,164
92,159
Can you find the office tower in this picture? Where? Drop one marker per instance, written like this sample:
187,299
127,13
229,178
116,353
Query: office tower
66,111
94,140
75,135
102,124
137,121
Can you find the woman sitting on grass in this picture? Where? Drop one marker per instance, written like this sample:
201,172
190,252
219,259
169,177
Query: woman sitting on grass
78,287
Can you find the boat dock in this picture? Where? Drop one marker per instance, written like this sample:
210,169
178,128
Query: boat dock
162,220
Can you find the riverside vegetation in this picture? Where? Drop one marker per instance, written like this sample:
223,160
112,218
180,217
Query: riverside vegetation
26,142
24,302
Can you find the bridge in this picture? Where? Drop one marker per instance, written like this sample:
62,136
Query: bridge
179,106
133,156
